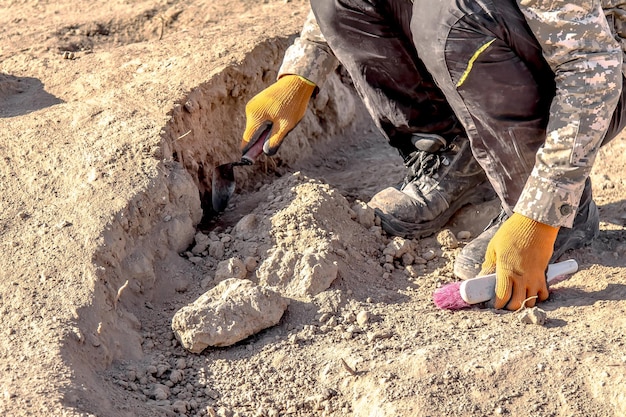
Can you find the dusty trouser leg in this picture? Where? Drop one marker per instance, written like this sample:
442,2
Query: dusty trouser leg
491,69
372,41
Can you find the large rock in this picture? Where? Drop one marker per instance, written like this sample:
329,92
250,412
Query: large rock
227,314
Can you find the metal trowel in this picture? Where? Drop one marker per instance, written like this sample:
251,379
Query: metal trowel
223,182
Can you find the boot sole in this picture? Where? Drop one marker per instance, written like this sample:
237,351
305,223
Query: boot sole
396,227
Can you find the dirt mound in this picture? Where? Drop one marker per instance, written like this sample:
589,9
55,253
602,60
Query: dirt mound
105,188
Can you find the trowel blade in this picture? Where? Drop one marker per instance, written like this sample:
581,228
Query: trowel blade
223,182
223,185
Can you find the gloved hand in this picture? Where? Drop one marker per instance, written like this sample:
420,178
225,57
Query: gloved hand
280,106
519,253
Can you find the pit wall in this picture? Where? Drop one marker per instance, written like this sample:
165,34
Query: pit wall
206,127
204,130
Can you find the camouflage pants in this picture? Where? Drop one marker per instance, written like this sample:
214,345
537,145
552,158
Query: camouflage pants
503,102
373,42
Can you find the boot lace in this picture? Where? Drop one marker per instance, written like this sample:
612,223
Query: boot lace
498,220
422,163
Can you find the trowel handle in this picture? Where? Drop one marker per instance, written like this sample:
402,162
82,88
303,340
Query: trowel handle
257,148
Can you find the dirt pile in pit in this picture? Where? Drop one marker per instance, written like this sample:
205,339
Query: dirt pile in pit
305,240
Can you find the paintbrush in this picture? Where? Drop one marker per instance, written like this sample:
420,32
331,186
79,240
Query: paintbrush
463,294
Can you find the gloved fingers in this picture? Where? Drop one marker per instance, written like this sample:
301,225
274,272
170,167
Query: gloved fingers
535,286
520,294
504,287
542,291
530,289
254,129
276,138
489,264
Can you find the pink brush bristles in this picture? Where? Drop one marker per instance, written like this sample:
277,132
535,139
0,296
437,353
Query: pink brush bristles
449,297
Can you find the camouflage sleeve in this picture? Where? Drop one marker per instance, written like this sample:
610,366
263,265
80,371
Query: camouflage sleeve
309,56
579,46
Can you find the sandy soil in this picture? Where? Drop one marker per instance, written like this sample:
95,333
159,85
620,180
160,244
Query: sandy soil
112,116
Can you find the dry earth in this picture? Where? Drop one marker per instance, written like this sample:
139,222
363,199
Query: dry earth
112,115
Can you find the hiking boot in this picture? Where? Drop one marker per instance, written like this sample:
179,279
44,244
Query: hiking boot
440,180
586,227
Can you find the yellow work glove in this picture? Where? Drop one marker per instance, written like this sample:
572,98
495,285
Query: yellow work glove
519,253
280,106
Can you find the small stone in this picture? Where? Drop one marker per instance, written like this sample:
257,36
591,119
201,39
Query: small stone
364,214
429,255
398,247
363,318
380,334
78,335
161,392
182,285
533,315
181,363
180,407
224,412
324,317
131,375
407,259
216,249
230,268
95,340
447,239
247,227
204,284
251,263
176,376
161,369
411,271
463,235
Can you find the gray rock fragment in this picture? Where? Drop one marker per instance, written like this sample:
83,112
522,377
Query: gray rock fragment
230,312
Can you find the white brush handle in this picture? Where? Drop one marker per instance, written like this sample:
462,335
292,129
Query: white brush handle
481,289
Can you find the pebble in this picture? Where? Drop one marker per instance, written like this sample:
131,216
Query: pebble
176,376
463,235
324,317
447,239
363,318
206,282
429,255
533,315
160,394
161,369
411,271
180,406
380,334
250,263
131,375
